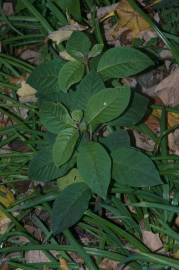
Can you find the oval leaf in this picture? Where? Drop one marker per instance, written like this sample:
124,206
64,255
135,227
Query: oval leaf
94,165
122,62
70,73
54,116
133,168
78,49
64,145
116,139
106,105
69,206
44,78
42,166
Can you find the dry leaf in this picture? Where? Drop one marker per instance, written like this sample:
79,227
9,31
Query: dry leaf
6,199
26,93
64,33
66,56
36,256
129,20
152,240
168,89
63,264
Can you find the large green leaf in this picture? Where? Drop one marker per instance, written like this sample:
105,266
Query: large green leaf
107,105
89,85
135,112
54,116
44,78
42,166
64,145
133,168
116,139
78,49
122,62
69,206
94,165
70,73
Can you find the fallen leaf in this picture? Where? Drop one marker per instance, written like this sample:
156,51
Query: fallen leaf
26,93
129,20
176,254
168,89
64,33
63,264
6,199
152,240
66,56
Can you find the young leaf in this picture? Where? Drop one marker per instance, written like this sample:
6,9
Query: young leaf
89,85
96,50
44,78
94,165
117,139
72,177
78,49
54,116
136,111
64,145
107,105
122,62
133,168
42,166
70,73
69,206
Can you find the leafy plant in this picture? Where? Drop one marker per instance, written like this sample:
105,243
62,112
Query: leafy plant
79,115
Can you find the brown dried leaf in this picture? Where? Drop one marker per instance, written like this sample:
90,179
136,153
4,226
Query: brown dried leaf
168,89
64,33
152,240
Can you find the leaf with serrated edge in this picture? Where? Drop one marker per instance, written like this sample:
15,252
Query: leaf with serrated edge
64,145
107,105
54,116
94,165
133,168
70,73
122,62
69,206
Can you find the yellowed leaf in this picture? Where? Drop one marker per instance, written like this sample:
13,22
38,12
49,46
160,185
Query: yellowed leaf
26,93
6,199
26,90
63,264
64,33
66,56
176,254
129,20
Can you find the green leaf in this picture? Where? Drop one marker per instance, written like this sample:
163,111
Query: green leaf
70,6
44,78
133,168
64,145
42,166
72,177
94,165
107,105
70,73
116,139
96,50
122,62
54,116
78,49
135,112
69,206
89,85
